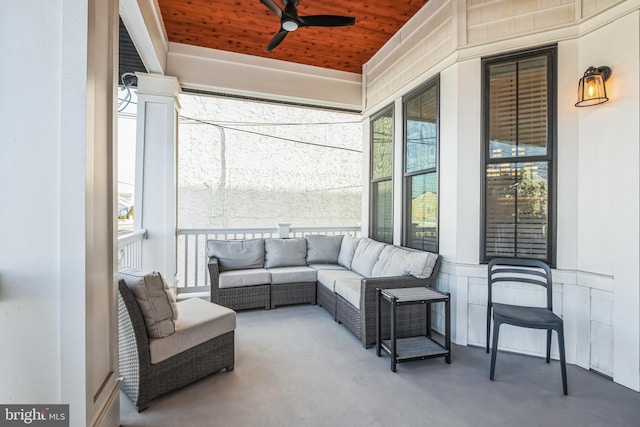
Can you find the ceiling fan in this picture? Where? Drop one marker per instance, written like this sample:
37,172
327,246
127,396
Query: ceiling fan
290,21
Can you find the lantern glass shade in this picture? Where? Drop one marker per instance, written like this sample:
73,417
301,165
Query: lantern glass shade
591,87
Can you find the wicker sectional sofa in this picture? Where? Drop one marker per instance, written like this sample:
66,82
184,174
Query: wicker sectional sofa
340,273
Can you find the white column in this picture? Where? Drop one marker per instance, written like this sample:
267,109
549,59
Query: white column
156,168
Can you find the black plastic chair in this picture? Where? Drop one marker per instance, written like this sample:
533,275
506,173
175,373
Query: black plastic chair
533,272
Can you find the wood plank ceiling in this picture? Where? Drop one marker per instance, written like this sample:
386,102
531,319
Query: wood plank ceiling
246,26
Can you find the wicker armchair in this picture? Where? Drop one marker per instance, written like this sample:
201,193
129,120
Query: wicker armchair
144,381
410,321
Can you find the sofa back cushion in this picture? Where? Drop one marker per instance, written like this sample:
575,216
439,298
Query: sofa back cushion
285,252
156,301
347,249
395,261
323,249
237,254
366,255
391,262
421,264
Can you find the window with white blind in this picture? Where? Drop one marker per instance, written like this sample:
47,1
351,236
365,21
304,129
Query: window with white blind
519,155
421,134
381,176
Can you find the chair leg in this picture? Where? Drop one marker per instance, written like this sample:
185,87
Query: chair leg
494,350
488,325
563,362
549,331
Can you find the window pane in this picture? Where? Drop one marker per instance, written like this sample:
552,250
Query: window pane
422,131
382,146
532,107
516,210
423,233
382,229
518,108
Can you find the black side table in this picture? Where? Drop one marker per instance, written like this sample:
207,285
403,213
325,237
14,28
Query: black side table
418,347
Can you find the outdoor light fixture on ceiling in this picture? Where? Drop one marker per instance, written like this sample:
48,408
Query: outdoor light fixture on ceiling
591,88
289,25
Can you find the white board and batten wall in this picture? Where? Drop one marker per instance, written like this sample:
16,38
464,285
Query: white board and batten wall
597,279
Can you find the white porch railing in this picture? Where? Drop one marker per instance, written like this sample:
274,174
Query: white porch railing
130,249
193,275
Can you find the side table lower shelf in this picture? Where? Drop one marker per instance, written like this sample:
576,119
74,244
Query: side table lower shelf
416,348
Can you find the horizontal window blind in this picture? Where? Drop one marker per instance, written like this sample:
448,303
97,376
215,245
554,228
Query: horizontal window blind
518,157
516,218
381,227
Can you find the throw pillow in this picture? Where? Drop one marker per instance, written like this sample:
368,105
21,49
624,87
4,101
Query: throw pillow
156,301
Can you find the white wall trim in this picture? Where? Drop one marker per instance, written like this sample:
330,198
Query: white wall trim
233,73
465,52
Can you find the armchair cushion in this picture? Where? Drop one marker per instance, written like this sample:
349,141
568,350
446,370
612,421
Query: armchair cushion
237,254
285,252
199,321
157,302
323,249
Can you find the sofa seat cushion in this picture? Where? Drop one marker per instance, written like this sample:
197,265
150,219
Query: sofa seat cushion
199,321
156,301
395,261
326,267
238,278
281,275
366,256
327,278
349,289
285,252
323,249
237,254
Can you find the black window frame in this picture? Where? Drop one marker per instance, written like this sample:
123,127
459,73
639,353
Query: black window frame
375,182
551,52
433,83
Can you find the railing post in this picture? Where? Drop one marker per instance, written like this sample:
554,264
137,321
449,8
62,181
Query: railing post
283,230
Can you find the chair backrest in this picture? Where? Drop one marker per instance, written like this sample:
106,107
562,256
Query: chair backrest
520,270
130,316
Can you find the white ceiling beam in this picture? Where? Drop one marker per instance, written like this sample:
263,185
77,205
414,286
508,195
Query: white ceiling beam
143,21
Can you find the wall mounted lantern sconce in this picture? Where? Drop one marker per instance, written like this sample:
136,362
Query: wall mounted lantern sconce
591,88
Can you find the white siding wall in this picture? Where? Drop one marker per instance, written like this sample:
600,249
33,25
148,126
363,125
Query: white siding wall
488,21
591,7
427,38
597,280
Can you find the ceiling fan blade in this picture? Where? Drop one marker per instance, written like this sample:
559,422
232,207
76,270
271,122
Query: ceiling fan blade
327,21
276,40
273,7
